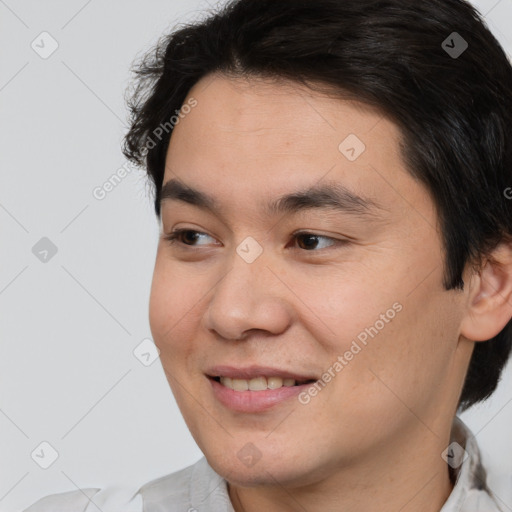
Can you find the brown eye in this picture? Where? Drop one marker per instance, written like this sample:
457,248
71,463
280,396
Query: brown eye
310,241
184,237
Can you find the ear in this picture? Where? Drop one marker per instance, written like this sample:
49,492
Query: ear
489,306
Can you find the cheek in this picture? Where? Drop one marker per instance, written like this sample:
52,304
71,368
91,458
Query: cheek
405,366
400,337
347,302
171,306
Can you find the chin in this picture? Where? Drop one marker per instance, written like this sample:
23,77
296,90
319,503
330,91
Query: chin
266,471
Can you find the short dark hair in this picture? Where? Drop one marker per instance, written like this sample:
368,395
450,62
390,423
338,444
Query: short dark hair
453,107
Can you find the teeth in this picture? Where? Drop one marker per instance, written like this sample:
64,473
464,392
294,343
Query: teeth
274,382
257,383
240,384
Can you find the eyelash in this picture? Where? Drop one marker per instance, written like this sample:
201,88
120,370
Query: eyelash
173,238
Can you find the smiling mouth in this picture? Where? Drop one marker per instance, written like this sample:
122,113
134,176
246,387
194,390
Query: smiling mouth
259,383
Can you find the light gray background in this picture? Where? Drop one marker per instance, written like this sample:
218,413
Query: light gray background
69,326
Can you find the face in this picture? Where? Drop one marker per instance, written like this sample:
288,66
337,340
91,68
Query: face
339,290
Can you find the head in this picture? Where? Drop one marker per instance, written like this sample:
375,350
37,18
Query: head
352,126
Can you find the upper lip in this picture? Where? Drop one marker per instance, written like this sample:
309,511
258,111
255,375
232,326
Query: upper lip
250,372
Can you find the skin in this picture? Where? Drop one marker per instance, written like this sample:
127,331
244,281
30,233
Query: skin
376,432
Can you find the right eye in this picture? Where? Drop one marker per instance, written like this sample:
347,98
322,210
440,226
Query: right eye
185,237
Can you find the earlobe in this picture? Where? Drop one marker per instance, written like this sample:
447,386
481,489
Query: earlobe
489,307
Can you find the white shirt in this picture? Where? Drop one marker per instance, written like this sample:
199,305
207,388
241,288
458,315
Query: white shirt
199,488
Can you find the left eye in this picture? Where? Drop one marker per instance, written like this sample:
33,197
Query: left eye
311,240
188,237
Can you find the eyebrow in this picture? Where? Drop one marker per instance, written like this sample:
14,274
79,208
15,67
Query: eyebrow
326,196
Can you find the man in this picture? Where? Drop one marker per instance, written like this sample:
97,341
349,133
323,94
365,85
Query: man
333,280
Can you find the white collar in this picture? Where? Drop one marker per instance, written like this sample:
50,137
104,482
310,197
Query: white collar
470,492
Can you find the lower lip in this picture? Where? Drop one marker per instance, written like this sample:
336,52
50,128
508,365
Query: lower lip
254,401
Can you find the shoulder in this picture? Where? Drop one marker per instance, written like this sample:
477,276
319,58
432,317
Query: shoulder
73,501
110,499
175,485
196,487
193,485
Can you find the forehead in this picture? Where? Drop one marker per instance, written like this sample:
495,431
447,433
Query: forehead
253,138
282,108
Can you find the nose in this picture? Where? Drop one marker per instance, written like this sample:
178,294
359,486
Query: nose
250,297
